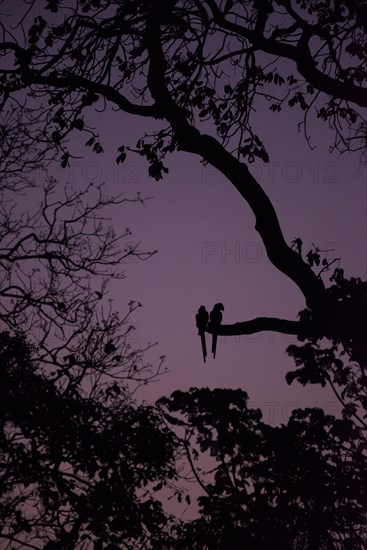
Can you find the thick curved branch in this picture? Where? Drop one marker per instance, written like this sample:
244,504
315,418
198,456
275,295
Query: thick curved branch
189,139
261,324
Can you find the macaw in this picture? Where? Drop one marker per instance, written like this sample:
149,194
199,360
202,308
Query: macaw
215,320
202,318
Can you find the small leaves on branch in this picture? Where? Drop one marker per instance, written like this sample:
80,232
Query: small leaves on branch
122,156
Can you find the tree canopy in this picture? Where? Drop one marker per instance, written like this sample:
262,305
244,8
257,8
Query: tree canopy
169,61
86,469
82,463
292,486
77,466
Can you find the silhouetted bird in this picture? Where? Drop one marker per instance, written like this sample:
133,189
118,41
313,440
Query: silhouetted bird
215,320
202,318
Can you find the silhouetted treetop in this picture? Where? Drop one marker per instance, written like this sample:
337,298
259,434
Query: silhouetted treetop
215,67
200,68
77,467
295,486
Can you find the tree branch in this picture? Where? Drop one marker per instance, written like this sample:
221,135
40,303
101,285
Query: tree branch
260,324
189,139
300,54
74,82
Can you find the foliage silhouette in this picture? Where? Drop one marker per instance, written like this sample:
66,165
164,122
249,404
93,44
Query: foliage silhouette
78,456
341,359
57,261
296,486
301,485
77,468
170,64
85,470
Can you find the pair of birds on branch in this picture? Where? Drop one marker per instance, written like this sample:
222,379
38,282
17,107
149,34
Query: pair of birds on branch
203,320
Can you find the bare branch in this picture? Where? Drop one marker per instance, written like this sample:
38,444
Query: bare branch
260,324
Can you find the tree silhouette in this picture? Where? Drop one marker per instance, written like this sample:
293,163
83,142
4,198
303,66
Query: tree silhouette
300,485
56,263
78,455
83,469
77,467
296,486
173,59
340,359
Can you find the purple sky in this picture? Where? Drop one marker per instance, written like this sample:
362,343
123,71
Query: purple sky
209,251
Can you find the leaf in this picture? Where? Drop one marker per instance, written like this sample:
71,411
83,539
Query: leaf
78,124
90,142
89,98
291,80
98,148
56,136
64,160
297,243
275,108
310,258
52,5
120,159
293,100
49,40
278,80
257,140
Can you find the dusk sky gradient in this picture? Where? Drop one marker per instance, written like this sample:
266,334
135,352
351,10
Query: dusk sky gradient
209,251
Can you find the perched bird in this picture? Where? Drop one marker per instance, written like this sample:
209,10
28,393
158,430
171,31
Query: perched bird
202,319
215,320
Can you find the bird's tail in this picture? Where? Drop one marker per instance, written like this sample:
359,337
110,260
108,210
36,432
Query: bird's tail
214,345
203,344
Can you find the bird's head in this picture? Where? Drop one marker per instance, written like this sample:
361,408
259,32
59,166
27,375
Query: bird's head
219,307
